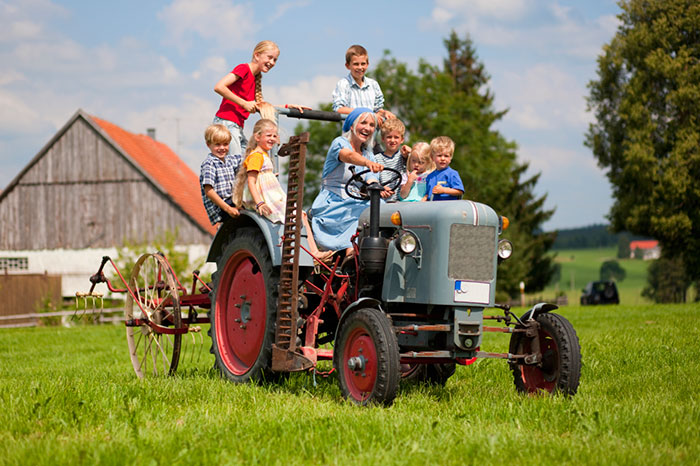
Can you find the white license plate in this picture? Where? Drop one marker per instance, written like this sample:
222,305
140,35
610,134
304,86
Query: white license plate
472,292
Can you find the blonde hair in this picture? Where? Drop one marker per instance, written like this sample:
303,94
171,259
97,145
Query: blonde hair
260,48
422,152
393,124
355,51
260,126
217,134
442,143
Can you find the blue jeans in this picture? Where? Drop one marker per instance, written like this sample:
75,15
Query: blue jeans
238,140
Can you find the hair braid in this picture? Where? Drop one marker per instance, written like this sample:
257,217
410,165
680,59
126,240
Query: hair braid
258,88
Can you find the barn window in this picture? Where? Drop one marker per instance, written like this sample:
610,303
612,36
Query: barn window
14,263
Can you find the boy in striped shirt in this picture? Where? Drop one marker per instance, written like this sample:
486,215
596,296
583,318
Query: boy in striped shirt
394,155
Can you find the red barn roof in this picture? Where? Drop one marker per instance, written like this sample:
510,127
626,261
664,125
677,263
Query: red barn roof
643,244
164,167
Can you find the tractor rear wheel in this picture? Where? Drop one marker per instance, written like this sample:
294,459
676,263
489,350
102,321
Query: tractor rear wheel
560,367
244,308
366,356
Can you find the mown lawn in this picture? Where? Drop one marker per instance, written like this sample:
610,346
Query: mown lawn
69,396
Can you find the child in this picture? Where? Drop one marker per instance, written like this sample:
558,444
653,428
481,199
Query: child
420,164
356,89
257,185
444,183
241,92
217,175
392,136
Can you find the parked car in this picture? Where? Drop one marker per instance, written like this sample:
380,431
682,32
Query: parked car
601,292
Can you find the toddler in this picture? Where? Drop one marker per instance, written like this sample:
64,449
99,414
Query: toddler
444,183
420,164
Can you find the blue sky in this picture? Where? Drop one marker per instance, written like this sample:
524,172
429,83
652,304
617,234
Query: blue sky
154,64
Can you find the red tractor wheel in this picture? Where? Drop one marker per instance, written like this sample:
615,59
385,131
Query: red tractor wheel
244,309
366,356
153,352
560,367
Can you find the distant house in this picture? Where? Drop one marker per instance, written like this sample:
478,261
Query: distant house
91,187
646,249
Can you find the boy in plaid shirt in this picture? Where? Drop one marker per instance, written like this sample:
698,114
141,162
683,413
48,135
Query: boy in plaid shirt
217,175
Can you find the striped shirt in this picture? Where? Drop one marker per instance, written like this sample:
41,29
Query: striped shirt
348,94
220,175
398,163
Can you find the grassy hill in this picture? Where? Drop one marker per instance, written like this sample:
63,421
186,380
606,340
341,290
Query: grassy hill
580,266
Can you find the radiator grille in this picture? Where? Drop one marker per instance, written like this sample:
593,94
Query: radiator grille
472,250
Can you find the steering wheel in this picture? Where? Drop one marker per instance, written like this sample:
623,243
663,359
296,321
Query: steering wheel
356,186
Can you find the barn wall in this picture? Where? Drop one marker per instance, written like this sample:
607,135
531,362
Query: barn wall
83,194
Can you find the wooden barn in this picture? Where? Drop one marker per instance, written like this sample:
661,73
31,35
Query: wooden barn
91,187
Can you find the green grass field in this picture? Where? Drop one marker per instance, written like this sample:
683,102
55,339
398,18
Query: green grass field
580,266
69,396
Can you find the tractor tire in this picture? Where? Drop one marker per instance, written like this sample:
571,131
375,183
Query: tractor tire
244,309
560,368
366,356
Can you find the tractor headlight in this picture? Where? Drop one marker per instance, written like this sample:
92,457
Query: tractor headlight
505,249
407,242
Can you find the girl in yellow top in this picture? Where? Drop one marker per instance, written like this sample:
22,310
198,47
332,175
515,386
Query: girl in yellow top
257,186
262,189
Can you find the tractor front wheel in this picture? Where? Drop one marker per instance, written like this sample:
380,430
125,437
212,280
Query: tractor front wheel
559,369
366,356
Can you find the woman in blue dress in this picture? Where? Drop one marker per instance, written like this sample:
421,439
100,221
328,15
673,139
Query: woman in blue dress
334,214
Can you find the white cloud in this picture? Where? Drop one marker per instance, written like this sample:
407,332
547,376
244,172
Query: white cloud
505,23
575,186
24,19
180,125
308,93
543,96
16,115
233,25
559,161
285,7
10,76
215,66
499,9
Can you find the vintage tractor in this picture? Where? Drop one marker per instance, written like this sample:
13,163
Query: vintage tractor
409,304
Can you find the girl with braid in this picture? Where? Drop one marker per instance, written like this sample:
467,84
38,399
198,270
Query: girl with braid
241,92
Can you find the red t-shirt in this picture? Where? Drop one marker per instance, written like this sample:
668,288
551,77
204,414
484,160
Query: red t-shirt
244,87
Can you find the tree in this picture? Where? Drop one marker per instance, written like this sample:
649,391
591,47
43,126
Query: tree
647,128
454,100
623,246
666,280
612,270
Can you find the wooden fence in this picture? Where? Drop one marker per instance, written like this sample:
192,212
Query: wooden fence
28,294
